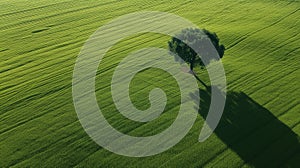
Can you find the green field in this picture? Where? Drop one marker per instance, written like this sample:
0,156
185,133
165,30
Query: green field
40,41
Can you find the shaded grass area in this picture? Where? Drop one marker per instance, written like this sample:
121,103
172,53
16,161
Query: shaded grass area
253,132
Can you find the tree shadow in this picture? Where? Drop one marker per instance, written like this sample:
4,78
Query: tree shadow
253,132
199,80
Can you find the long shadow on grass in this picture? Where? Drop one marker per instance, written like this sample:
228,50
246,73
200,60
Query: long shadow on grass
253,132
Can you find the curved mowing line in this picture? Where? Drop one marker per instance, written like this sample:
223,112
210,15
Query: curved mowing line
250,84
38,80
253,78
49,94
275,78
8,67
48,64
76,42
262,74
62,13
35,8
293,51
54,15
20,123
261,29
44,149
108,18
36,118
294,104
70,42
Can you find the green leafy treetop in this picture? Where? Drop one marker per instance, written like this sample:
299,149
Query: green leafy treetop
201,41
196,38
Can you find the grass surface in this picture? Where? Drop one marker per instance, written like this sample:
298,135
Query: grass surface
40,41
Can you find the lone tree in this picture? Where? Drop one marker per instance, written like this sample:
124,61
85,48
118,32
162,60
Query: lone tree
198,39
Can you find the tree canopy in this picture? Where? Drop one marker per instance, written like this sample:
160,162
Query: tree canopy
194,37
